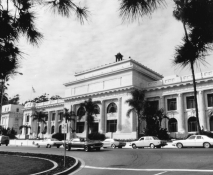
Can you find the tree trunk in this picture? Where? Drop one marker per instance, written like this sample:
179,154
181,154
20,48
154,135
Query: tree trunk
194,84
195,97
2,94
87,125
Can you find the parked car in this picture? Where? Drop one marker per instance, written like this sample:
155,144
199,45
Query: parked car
113,143
148,141
87,145
4,140
49,143
194,141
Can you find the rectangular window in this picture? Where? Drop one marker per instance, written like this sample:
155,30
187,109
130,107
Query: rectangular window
61,116
210,100
53,117
80,127
111,125
171,104
46,118
190,102
27,118
94,127
154,104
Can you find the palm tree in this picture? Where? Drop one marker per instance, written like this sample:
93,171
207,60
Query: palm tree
160,115
197,20
137,103
25,127
40,117
91,111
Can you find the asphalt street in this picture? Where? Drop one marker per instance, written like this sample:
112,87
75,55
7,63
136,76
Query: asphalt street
146,161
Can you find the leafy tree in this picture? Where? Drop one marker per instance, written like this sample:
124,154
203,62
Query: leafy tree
197,19
153,118
17,19
90,109
11,133
14,100
55,97
134,9
39,117
136,103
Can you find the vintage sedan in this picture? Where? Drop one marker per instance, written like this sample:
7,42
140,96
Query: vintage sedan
113,143
82,143
194,141
48,143
148,141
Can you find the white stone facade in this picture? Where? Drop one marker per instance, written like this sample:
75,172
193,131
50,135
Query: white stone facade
110,85
12,117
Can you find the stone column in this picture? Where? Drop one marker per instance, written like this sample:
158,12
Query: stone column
56,122
203,122
102,117
119,121
181,122
162,106
49,123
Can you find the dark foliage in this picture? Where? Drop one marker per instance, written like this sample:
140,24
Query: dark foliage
11,133
59,136
96,136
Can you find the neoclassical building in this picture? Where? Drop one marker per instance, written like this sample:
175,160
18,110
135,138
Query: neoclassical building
111,84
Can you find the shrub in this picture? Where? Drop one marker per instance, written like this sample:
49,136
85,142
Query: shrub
96,136
59,136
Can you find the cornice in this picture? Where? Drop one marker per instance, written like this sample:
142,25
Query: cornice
99,93
177,84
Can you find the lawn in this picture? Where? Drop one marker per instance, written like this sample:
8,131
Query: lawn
13,164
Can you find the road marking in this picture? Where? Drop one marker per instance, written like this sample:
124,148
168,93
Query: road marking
161,173
131,169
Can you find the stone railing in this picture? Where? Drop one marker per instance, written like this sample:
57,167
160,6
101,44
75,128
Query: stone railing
31,104
177,79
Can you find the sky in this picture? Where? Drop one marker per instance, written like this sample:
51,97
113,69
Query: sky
69,47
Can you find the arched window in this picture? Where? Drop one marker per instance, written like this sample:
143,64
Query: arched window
45,130
97,109
81,111
52,129
112,108
39,128
172,125
60,129
192,124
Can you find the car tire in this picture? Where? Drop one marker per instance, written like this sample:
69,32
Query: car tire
69,148
86,148
113,146
0,144
98,149
134,146
104,147
49,146
38,146
152,145
206,145
58,146
6,144
158,146
179,145
120,147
